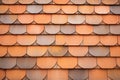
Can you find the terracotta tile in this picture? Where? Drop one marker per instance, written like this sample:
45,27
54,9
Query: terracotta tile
118,61
17,8
36,74
7,40
67,29
78,74
51,8
26,63
108,2
97,75
57,75
26,1
106,62
93,19
61,1
57,50
110,19
17,51
4,29
3,51
115,29
101,29
91,40
17,29
3,8
59,19
78,51
76,19
102,9
67,62
45,39
2,74
15,74
46,63
114,74
35,29
108,40
69,9
78,1
8,19
9,1
7,63
43,1
42,18
115,51
87,62
94,1
84,29
52,29
115,9
86,9
36,50
119,40
34,8
25,19
60,40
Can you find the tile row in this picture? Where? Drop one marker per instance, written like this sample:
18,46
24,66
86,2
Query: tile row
60,9
59,40
92,2
59,19
60,74
59,63
60,29
58,51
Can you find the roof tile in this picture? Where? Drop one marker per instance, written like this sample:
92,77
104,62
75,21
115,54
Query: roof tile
4,29
3,8
87,62
9,1
109,2
94,1
102,9
34,8
67,29
2,74
3,51
115,51
26,1
60,40
115,29
43,1
61,1
46,62
86,9
118,61
114,74
115,9
78,1
119,40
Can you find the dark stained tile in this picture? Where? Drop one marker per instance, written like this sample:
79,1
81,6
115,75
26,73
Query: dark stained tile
86,9
114,74
26,1
115,9
94,1
9,1
115,51
3,8
78,1
60,1
102,9
2,74
43,1
115,29
4,29
34,8
67,29
109,2
3,51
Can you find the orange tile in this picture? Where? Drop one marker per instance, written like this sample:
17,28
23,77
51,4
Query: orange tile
35,29
115,51
60,1
78,51
3,8
67,62
118,62
109,1
60,40
9,1
106,62
26,39
69,9
15,74
26,1
94,1
110,19
57,75
42,19
2,74
114,74
17,8
119,40
46,62
86,9
51,8
25,19
36,50
91,40
3,51
7,40
87,62
102,9
108,40
4,29
17,51
59,19
84,29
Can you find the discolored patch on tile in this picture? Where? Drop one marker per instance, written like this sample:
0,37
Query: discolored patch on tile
43,1
86,9
109,2
102,9
114,74
3,51
67,29
115,9
4,29
115,51
34,8
94,2
78,1
9,1
26,1
115,29
60,1
3,9
2,74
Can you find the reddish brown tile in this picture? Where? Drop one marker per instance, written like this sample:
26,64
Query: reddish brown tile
43,1
114,74
3,8
86,9
3,51
67,29
102,9
34,8
60,1
94,1
26,1
115,51
78,1
9,1
109,2
2,74
4,29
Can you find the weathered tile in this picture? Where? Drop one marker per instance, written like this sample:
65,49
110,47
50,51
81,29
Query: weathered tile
3,51
7,63
43,1
4,29
26,63
15,74
76,19
102,9
115,9
57,75
17,29
118,61
3,8
78,1
67,62
61,1
106,62
2,74
17,51
97,75
115,29
26,1
36,50
99,51
78,51
115,51
78,74
36,74
87,62
86,9
46,63
114,74
57,50
45,39
109,2
9,1
67,29
94,1
34,8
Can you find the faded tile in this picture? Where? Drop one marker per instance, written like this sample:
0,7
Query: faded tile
114,74
94,1
102,9
61,1
115,9
115,51
26,1
2,74
115,29
3,8
9,1
4,29
86,9
78,1
67,29
109,2
3,51
34,8
43,1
